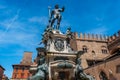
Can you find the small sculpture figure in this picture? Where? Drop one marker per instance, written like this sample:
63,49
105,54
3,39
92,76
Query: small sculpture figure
79,71
46,36
80,75
69,36
56,15
42,71
68,32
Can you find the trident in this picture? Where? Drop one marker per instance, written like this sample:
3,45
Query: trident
49,11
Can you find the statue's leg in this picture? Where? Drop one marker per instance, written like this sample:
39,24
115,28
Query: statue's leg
58,22
52,22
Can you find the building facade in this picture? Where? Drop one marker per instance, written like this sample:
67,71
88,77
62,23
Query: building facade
94,47
21,71
4,77
109,68
101,55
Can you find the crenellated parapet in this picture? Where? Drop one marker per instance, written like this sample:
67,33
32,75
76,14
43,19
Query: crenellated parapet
114,37
114,42
93,37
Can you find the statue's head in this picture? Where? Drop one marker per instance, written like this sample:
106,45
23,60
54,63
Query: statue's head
56,6
69,28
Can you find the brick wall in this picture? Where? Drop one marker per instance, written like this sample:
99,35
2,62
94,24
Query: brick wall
109,67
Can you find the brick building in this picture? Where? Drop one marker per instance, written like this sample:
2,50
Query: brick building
4,77
101,56
1,72
94,46
21,71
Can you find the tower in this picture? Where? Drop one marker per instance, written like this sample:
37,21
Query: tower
21,71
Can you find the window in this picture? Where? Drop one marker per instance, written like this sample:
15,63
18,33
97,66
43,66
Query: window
93,62
16,69
23,69
118,68
15,75
22,75
85,49
103,76
93,53
104,49
90,62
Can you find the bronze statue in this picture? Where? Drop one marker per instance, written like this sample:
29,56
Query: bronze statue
55,14
47,35
69,36
42,71
79,73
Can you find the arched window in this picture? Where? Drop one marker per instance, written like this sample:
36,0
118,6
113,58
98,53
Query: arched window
103,76
23,69
94,55
85,49
104,49
15,75
93,52
16,69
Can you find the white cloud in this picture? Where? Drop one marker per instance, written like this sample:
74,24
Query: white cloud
65,23
99,30
9,22
19,38
42,20
18,33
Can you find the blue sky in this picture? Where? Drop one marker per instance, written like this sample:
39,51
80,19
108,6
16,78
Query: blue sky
23,21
